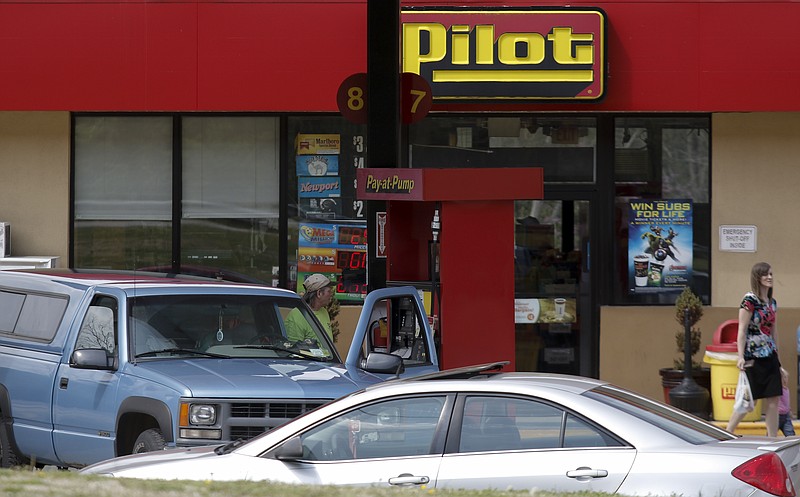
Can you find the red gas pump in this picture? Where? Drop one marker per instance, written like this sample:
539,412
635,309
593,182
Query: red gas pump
464,219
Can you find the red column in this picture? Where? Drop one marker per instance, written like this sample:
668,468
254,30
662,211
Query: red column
477,279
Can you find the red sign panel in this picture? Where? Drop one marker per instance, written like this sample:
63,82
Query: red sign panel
507,54
389,184
352,98
415,98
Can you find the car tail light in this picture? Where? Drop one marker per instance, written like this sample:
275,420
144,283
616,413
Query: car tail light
766,472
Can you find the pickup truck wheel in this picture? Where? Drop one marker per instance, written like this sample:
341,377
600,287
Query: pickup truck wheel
8,458
149,441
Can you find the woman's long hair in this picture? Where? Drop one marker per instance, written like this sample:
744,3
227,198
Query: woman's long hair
760,269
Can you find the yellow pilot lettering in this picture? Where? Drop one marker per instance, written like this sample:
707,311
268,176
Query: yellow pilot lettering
507,48
460,44
484,44
412,35
563,39
511,49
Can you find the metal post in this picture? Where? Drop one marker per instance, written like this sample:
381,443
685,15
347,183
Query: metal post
689,396
383,113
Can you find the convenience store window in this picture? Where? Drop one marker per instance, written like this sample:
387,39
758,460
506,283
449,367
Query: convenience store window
553,303
123,191
662,208
327,228
564,147
230,195
200,190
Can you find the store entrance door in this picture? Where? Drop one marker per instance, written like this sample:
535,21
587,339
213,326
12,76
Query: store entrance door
553,303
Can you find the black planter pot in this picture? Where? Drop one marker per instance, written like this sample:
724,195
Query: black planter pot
670,378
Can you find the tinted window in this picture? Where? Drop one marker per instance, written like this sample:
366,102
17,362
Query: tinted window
226,325
10,307
505,423
667,418
394,428
664,158
40,316
97,330
34,316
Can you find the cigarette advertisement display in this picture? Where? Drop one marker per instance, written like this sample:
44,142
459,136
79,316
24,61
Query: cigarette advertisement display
659,245
339,251
318,187
318,144
317,165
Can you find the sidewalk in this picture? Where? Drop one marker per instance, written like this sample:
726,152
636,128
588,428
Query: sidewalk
754,427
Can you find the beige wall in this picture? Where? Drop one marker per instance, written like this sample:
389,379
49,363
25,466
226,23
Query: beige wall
34,182
755,177
755,172
635,342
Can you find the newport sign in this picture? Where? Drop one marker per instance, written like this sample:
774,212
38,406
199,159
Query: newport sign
506,54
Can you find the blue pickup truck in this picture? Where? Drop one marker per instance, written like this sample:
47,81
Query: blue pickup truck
95,364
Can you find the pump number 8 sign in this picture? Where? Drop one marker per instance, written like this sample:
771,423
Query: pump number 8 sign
415,98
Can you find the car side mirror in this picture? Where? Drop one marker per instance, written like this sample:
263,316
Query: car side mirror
92,359
291,450
381,362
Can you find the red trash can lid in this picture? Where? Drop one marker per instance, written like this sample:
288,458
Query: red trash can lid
722,347
726,332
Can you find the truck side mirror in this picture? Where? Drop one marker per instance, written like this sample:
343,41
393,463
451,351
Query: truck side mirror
92,359
381,362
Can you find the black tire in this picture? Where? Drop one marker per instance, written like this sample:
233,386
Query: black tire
8,457
149,441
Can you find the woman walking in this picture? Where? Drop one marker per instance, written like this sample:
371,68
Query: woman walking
757,349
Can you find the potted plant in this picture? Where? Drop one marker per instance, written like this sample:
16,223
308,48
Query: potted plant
671,377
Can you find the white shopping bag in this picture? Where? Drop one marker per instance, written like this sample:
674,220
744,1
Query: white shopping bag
743,400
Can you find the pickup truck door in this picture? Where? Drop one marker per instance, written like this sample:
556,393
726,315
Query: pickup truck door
85,396
393,320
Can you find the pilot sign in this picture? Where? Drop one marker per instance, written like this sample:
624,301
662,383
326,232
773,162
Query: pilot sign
506,54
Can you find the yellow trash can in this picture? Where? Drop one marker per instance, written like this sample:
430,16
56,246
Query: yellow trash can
724,378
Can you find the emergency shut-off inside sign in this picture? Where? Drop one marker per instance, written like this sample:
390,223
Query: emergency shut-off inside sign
737,238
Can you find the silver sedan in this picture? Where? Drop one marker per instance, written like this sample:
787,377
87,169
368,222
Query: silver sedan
478,428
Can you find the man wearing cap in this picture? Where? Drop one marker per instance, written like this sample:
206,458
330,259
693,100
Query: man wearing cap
319,292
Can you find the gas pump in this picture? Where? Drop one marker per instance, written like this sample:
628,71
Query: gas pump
450,233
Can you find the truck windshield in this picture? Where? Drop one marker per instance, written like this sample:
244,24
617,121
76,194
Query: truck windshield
225,326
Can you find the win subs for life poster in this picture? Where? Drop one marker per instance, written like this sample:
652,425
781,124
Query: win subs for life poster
659,245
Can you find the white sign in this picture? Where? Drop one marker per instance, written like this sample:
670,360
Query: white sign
736,238
380,245
526,311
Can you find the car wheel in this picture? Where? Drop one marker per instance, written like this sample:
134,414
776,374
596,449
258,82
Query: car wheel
8,458
149,441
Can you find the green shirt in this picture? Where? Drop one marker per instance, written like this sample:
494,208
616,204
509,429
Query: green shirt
298,329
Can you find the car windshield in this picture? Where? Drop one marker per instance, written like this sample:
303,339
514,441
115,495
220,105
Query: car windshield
669,419
225,326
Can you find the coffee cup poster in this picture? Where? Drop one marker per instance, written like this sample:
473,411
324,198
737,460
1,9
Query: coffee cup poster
659,245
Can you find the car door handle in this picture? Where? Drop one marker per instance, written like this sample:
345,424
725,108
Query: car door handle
585,474
63,382
408,479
